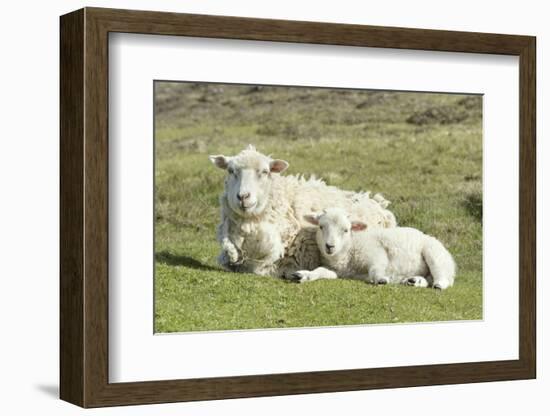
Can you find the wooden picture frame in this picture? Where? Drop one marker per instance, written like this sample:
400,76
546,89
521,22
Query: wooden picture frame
84,207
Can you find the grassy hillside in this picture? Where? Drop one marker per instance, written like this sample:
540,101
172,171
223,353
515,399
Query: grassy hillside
422,151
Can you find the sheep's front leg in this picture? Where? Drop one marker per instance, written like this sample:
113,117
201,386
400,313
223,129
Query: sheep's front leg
270,244
262,247
230,254
309,276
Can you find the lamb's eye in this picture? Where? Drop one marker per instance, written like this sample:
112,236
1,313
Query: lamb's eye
346,230
264,172
320,227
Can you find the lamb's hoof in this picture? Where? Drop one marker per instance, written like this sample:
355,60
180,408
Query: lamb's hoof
438,287
296,277
416,281
382,281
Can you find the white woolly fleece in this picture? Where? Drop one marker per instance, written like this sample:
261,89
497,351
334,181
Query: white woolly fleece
278,240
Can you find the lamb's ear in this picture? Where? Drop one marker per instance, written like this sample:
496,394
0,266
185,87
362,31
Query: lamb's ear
358,226
220,161
312,219
278,165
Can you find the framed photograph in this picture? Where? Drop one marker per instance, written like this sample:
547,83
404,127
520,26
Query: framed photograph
255,207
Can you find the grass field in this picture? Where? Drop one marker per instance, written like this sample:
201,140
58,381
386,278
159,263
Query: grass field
421,151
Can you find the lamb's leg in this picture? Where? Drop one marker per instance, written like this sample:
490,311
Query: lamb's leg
441,264
309,276
377,272
376,261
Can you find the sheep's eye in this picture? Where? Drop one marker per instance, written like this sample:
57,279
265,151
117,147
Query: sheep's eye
321,227
264,172
346,230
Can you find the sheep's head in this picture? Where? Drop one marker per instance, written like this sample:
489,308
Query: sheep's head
334,230
249,179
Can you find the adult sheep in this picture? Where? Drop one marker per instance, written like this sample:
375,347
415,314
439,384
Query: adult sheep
262,228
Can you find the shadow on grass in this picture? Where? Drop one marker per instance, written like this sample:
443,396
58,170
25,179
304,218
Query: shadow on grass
170,259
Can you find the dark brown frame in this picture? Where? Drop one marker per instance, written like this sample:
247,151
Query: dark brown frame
84,207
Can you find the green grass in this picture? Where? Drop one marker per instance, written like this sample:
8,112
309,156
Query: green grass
422,151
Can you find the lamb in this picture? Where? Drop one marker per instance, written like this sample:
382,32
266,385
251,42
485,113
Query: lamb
262,228
380,256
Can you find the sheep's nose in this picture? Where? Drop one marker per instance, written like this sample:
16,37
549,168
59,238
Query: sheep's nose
242,196
329,247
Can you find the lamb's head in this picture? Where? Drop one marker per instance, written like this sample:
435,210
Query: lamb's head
249,179
334,230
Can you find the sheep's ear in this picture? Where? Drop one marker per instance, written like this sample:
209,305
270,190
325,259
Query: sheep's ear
358,226
219,160
278,166
312,219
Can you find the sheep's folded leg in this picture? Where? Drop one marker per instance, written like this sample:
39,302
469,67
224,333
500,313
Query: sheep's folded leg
309,276
270,244
230,255
231,251
377,272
